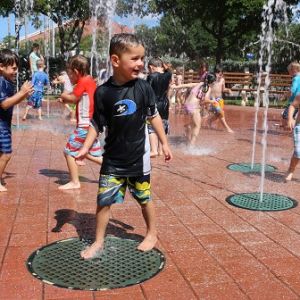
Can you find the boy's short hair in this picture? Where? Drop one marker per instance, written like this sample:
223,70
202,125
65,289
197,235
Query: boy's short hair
294,65
35,45
218,69
79,63
40,63
155,62
121,42
8,58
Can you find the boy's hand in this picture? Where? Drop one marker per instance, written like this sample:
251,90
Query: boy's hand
291,124
167,153
27,88
60,100
82,153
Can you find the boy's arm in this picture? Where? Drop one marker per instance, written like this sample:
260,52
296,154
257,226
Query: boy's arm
292,108
185,85
207,96
156,123
69,98
25,91
90,138
225,89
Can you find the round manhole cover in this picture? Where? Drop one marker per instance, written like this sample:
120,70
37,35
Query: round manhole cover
269,202
246,168
119,265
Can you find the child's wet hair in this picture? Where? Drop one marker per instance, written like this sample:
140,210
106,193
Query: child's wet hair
121,42
8,58
210,78
294,65
79,63
155,62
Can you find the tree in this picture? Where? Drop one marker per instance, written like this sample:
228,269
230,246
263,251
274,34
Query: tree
230,22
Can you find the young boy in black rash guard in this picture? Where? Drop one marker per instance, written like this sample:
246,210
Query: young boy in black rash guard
122,105
160,78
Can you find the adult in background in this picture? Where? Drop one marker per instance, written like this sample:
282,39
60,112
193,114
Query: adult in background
34,57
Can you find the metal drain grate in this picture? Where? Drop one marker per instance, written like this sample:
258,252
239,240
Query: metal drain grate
270,202
246,168
20,127
120,264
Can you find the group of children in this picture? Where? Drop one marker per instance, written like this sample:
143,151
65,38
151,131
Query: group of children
129,110
124,105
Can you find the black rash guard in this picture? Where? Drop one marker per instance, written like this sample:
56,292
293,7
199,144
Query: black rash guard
160,83
123,110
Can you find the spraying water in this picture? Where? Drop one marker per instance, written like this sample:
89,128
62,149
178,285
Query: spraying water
271,14
100,8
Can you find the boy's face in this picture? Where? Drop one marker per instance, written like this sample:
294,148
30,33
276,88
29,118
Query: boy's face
74,75
9,72
219,75
130,63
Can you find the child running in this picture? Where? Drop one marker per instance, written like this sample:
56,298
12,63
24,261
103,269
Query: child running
9,62
159,79
39,80
214,97
295,126
294,71
83,97
123,104
64,80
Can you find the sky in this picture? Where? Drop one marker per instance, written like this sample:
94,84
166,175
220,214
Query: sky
149,21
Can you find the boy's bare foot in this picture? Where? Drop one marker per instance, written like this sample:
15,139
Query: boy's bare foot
24,118
2,188
70,186
92,251
40,118
289,177
148,243
230,131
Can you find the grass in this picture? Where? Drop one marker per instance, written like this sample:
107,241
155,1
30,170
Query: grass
273,104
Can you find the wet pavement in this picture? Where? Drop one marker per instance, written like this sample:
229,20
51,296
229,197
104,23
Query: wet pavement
213,250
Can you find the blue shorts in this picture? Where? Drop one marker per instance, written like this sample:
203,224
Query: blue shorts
76,141
112,189
297,141
36,99
5,140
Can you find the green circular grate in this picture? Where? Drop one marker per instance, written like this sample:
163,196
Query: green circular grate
119,265
246,168
270,202
20,127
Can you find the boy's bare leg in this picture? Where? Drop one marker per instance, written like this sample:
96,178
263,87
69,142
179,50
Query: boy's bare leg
26,112
292,167
153,144
102,219
224,123
73,169
151,237
40,113
4,159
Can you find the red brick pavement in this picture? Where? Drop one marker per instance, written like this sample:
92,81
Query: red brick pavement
213,250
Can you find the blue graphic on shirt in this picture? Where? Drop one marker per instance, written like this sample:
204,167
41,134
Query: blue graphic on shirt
125,107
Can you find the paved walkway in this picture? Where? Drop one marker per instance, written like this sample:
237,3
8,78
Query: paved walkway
213,250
